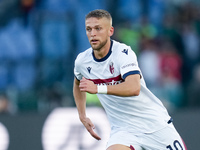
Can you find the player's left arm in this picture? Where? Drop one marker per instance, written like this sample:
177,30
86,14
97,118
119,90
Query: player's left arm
130,87
130,72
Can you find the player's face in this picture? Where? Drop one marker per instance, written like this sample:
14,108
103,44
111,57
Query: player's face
98,32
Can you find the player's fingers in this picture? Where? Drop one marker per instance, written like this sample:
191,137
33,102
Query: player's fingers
83,79
83,89
91,124
96,136
82,86
93,134
82,82
91,130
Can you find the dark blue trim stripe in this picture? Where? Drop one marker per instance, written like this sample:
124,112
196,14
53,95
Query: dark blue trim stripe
76,78
104,58
130,73
170,120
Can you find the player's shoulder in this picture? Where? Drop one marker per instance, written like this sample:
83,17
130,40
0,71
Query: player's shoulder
121,48
84,55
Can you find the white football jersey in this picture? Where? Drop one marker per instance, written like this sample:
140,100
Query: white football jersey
138,114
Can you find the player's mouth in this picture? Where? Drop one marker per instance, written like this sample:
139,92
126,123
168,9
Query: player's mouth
94,41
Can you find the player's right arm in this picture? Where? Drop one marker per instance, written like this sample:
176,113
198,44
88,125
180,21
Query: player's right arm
80,100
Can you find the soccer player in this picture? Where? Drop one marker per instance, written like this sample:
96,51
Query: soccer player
138,119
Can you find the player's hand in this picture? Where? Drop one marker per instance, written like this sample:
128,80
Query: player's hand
90,128
87,86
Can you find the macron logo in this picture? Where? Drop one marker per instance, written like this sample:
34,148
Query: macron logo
89,69
125,51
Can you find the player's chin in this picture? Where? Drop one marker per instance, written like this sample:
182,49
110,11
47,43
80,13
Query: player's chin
93,43
95,46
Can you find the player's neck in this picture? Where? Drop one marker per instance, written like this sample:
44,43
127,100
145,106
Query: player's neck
99,54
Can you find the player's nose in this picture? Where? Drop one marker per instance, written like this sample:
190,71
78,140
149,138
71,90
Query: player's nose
93,32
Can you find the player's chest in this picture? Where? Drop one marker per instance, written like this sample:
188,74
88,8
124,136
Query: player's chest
105,69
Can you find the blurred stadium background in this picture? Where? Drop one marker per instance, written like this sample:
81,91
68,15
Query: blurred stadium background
39,40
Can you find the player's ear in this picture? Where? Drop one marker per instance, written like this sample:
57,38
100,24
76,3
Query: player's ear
111,31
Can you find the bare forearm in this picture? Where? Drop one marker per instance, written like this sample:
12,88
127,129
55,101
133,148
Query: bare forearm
131,87
123,90
80,100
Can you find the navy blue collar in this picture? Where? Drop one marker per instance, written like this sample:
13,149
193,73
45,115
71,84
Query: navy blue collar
104,58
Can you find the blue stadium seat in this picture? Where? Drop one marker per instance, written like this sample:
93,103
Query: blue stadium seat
56,5
18,55
24,75
2,47
18,42
55,39
156,10
129,10
4,77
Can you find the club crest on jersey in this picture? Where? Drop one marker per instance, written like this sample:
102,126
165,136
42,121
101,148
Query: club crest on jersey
111,67
89,69
125,51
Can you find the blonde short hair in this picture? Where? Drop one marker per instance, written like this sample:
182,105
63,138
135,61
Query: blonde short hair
99,13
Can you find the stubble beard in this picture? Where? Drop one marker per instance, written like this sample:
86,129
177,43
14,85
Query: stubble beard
100,46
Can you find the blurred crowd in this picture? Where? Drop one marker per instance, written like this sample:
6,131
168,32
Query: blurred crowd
39,40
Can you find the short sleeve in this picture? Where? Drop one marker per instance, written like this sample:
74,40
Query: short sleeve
128,63
77,73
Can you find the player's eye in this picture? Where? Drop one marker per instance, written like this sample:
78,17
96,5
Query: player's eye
98,28
88,29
